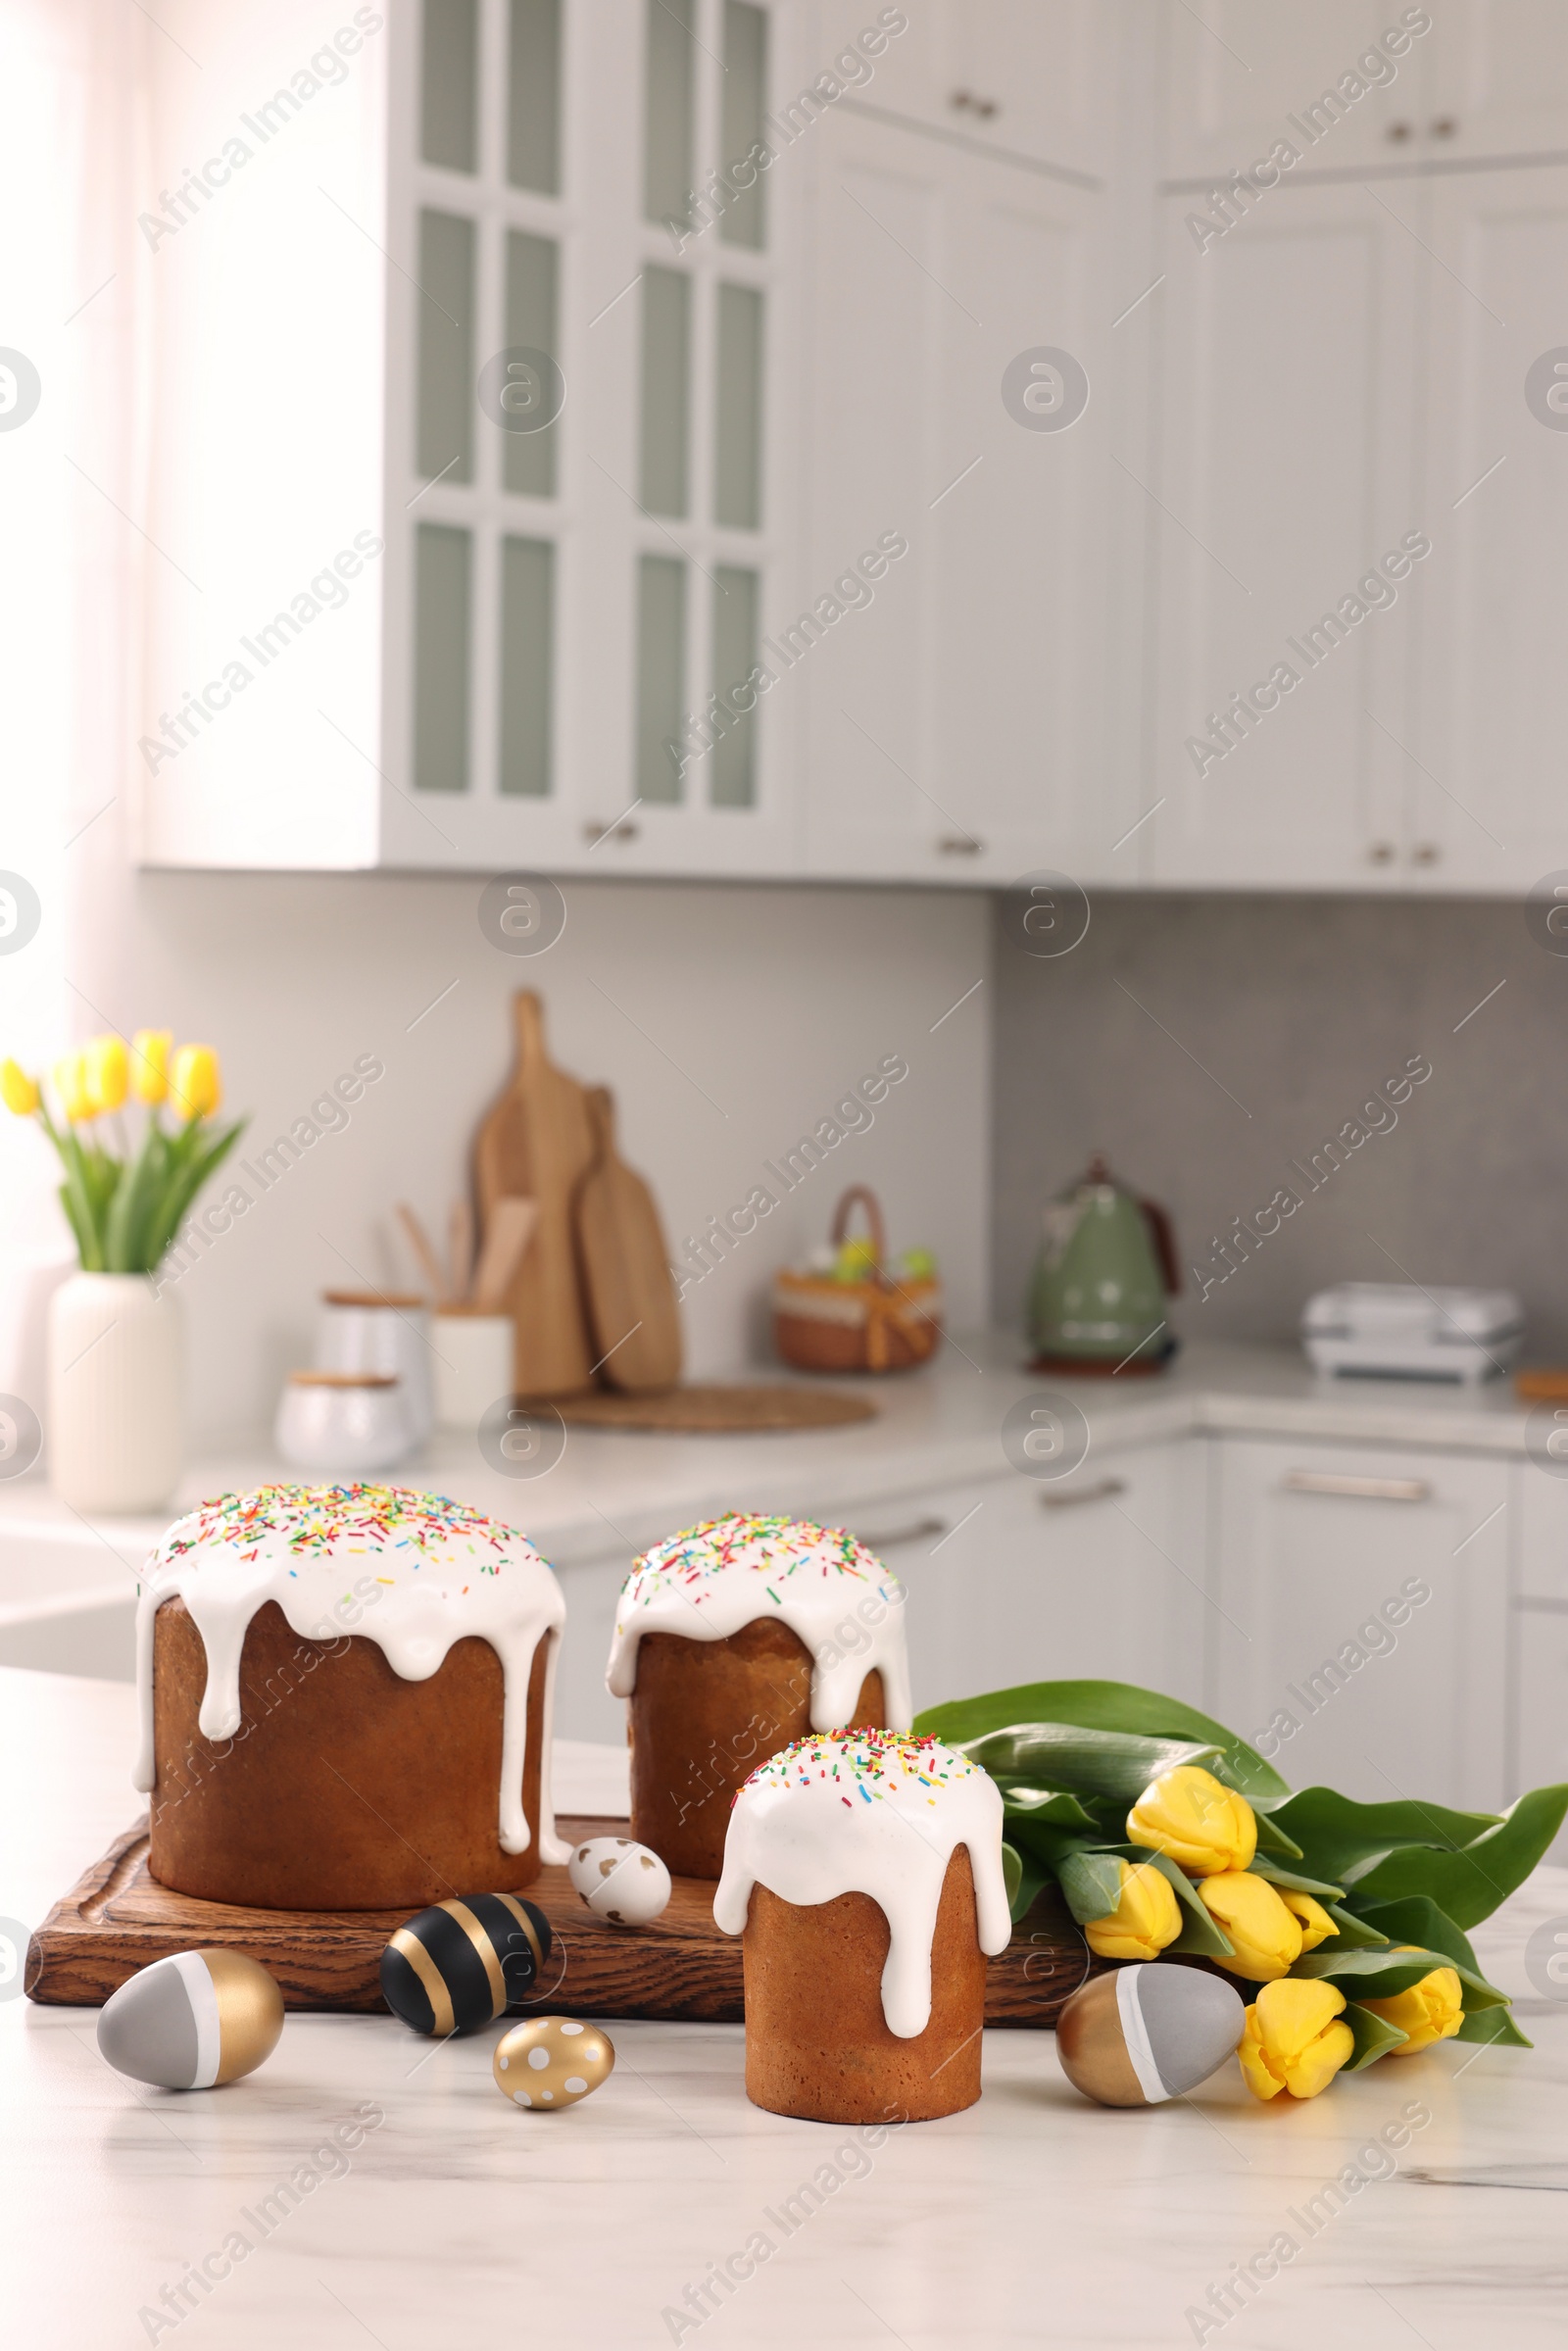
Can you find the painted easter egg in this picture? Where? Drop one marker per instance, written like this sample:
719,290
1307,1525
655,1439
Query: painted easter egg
192,2021
620,1881
1141,2034
552,2061
458,1965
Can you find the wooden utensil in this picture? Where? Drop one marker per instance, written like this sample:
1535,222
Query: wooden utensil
429,1263
511,1228
632,1307
537,1142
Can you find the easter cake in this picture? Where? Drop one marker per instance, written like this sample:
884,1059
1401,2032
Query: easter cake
865,1874
732,1640
345,1696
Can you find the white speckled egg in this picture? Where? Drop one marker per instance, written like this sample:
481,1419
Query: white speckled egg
552,2061
1140,2035
193,2020
620,1881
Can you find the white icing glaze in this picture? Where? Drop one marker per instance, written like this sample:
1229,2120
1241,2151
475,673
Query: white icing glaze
709,1582
412,1572
861,1812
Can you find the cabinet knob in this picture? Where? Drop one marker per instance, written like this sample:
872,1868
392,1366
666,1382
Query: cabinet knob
959,845
1380,853
966,102
1427,852
1398,132
623,829
1444,127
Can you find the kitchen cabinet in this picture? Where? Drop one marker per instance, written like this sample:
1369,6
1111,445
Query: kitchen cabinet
1500,80
1489,717
1284,501
957,710
1239,70
1010,1580
1365,1601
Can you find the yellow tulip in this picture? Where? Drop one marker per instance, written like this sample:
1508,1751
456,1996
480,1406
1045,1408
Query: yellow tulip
1267,1939
194,1085
1146,1916
18,1090
1429,2011
106,1072
1315,1923
70,1084
1295,2040
149,1064
1203,1827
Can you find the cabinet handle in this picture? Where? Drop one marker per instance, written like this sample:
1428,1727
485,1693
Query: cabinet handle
959,845
623,830
1380,853
1364,1490
1444,127
1103,1490
966,102
1398,131
1427,852
915,1531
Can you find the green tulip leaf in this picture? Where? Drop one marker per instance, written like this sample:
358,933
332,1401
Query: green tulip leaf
1049,1844
1063,1811
1418,1920
1011,1871
1375,2036
1340,1838
1109,1707
1294,1882
1032,1876
1469,1884
1115,1764
1201,1930
1091,1883
1493,2024
1272,1839
1380,1974
1355,1935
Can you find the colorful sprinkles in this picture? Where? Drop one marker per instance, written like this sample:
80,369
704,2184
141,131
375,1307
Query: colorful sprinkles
317,1522
875,1764
777,1550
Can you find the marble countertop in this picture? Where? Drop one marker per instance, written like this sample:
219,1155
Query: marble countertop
615,1492
1033,2218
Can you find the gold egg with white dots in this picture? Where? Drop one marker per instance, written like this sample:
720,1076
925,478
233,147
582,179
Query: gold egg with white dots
552,2061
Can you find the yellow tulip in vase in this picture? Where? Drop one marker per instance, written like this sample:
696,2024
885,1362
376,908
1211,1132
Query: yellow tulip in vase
114,1423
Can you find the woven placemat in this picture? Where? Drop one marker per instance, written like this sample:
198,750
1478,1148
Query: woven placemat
718,1411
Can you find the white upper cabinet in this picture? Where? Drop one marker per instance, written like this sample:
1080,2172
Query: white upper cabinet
1286,542
1484,781
1029,79
955,711
1500,83
1343,82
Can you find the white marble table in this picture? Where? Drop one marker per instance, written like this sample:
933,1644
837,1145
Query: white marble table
1032,2218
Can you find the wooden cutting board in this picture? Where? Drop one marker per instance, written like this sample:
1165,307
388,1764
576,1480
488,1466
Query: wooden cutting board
118,1919
632,1308
537,1142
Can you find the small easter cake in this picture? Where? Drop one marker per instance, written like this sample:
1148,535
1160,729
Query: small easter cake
345,1700
865,1872
733,1639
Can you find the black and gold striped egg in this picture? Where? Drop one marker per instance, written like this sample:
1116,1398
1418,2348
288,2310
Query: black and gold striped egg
462,1962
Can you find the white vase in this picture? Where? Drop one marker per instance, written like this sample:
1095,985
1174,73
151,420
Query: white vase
116,1424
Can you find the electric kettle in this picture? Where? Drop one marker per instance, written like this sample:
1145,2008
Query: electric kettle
1105,1268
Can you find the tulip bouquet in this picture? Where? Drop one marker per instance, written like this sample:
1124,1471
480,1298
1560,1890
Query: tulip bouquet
1168,1834
124,1206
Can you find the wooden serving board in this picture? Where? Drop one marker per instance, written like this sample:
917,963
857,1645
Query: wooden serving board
632,1307
118,1919
537,1142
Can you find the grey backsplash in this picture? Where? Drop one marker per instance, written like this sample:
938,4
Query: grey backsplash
1205,1041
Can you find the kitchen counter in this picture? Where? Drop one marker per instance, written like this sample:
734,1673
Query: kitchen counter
1033,2218
618,1492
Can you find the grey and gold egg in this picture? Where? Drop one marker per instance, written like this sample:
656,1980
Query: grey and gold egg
620,1881
552,2061
192,2019
1144,2033
458,1965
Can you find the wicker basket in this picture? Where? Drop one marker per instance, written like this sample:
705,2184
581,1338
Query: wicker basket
820,1324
